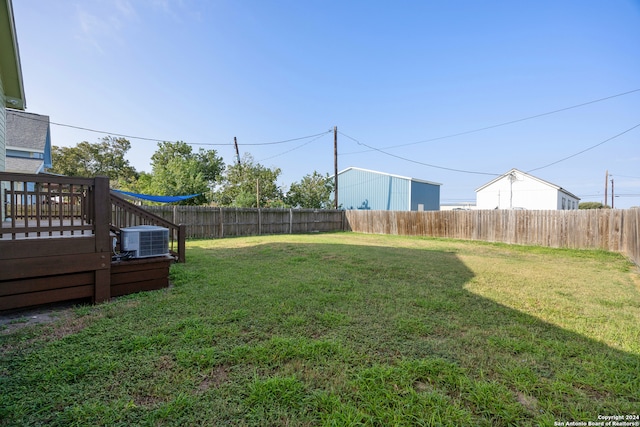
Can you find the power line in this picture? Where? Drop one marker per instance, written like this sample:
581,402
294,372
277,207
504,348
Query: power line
312,136
271,143
417,162
586,149
107,133
165,139
624,176
512,121
298,147
90,130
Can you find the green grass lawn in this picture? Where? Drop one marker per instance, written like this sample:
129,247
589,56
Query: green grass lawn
342,330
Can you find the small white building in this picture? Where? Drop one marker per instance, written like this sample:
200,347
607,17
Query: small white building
519,190
458,206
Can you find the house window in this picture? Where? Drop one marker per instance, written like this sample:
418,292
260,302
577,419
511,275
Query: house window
564,203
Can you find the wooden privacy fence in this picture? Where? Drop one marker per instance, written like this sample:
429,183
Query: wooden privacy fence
210,222
608,229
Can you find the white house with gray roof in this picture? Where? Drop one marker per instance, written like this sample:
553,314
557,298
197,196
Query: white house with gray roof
519,190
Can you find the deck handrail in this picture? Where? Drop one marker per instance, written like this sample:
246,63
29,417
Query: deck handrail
57,179
46,206
126,214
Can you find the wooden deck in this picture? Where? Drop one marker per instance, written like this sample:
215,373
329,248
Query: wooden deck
56,242
148,274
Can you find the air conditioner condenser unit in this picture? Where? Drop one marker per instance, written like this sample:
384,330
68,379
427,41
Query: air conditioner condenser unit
145,241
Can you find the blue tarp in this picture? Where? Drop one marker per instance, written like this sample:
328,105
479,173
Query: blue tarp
160,199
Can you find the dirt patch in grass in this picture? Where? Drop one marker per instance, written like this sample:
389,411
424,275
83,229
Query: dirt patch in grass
69,317
218,376
147,401
70,326
13,320
529,402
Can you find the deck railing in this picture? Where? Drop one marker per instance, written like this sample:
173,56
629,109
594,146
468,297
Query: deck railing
45,206
39,206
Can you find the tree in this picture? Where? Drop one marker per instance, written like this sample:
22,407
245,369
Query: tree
592,205
313,192
176,170
247,183
105,158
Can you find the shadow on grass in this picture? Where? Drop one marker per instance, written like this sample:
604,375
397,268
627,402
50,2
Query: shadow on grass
422,338
321,334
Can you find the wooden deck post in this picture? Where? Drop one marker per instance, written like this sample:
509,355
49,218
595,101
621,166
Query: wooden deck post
182,232
102,209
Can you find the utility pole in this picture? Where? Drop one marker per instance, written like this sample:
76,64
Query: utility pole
512,177
335,165
235,142
606,184
258,192
611,193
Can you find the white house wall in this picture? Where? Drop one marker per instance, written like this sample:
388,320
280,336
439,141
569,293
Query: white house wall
517,193
521,192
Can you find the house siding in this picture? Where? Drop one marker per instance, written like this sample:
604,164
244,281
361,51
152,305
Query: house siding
371,190
3,121
427,195
3,151
359,189
566,201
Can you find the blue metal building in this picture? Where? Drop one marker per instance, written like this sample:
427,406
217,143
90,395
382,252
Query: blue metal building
367,189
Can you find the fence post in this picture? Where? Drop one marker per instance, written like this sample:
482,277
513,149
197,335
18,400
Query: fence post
221,224
102,214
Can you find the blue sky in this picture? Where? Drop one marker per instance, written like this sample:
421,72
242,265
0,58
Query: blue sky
393,76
